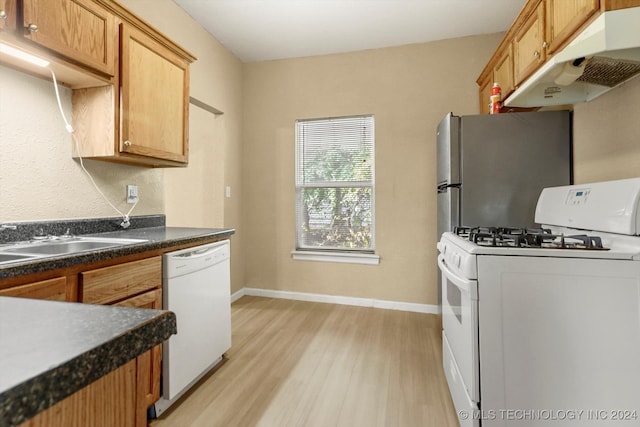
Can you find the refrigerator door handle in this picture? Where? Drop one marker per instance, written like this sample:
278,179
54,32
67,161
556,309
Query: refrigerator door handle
442,188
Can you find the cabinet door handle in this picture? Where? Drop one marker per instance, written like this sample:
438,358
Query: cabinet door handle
545,45
33,28
3,14
536,53
3,7
127,143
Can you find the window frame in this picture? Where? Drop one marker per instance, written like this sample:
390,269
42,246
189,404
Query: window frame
333,254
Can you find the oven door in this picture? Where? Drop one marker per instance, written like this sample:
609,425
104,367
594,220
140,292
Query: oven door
460,328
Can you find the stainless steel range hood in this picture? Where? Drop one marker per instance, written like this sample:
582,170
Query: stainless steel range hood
604,55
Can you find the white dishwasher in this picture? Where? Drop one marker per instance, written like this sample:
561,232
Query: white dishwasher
196,287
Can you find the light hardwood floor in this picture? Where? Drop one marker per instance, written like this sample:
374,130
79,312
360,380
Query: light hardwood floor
303,364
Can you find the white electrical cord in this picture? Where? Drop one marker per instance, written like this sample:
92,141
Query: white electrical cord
125,217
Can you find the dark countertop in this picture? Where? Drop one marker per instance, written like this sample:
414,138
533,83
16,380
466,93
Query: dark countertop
158,237
49,350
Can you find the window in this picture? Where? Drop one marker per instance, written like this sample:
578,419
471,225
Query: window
334,184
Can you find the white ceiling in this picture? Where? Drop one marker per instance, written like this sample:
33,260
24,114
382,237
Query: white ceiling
259,30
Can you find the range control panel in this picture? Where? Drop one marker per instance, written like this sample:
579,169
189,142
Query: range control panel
609,206
578,197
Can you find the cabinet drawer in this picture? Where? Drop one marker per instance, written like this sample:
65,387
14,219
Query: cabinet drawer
109,284
151,299
52,289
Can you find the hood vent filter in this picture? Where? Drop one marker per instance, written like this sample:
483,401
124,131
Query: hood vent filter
609,72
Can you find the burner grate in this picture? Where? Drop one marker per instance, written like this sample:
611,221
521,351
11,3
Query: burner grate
527,238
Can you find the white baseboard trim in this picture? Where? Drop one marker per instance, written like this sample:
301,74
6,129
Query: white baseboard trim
334,299
237,295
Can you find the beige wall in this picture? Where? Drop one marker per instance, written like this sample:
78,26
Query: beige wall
195,196
38,178
408,89
607,135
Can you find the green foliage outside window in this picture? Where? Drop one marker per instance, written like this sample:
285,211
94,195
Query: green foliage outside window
335,185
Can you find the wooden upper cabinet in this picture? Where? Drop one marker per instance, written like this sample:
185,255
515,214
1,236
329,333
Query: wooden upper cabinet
154,94
498,70
565,17
130,83
485,82
80,30
503,71
8,15
143,120
606,5
529,45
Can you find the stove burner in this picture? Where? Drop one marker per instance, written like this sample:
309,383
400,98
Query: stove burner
527,238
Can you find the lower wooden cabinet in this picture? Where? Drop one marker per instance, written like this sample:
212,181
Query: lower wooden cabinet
150,363
51,289
117,282
131,284
122,397
107,402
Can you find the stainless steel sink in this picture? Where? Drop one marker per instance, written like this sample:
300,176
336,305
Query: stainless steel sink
63,246
7,258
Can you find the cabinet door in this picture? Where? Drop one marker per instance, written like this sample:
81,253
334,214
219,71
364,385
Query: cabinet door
7,15
80,30
485,93
52,289
528,45
149,363
154,96
503,71
564,17
106,402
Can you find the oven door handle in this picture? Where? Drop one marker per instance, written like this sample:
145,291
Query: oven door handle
465,285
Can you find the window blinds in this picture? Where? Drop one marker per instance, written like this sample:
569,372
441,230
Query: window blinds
334,183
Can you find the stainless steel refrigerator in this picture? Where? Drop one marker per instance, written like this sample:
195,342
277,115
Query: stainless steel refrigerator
492,168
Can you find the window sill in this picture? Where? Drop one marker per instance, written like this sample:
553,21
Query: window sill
346,257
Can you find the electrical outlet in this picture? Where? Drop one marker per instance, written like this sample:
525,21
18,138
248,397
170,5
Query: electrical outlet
132,194
227,191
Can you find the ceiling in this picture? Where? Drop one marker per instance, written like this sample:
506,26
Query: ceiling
259,30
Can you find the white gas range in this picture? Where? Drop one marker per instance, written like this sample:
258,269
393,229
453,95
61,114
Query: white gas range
542,326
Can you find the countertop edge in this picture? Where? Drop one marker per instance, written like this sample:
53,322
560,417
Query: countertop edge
24,401
54,263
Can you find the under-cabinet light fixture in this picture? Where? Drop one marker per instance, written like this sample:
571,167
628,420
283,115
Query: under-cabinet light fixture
17,53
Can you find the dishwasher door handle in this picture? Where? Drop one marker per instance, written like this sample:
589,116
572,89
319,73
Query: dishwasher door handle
197,253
